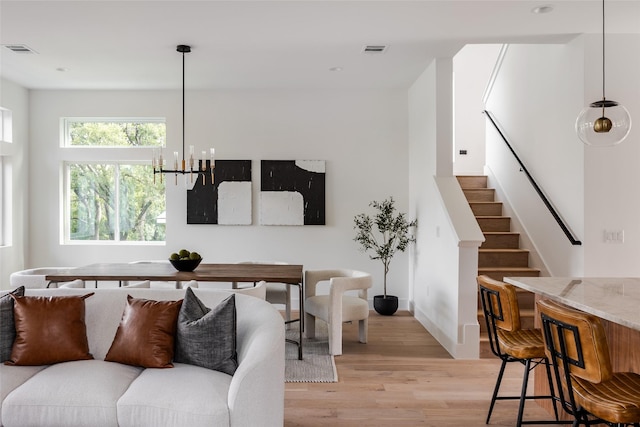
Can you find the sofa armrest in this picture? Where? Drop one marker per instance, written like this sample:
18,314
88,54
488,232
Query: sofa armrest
256,393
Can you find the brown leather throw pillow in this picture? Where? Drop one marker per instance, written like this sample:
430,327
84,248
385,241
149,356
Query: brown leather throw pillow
146,334
49,330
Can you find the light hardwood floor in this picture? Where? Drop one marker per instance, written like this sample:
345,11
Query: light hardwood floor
403,377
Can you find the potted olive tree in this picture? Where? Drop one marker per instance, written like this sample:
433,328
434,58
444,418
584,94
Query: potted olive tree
384,234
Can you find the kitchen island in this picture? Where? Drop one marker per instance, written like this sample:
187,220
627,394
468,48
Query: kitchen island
615,300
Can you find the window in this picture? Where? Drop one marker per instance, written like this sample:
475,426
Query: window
114,132
6,203
3,203
110,193
6,125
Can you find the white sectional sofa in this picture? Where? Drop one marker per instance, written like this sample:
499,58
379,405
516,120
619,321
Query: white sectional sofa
100,393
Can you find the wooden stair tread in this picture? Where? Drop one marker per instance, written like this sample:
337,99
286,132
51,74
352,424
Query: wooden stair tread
501,233
508,271
500,255
508,250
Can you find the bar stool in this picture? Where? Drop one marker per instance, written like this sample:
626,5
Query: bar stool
511,343
576,342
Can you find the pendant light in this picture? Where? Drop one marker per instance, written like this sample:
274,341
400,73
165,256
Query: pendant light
603,123
185,166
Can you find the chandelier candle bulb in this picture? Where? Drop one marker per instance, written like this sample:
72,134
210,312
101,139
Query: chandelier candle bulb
212,165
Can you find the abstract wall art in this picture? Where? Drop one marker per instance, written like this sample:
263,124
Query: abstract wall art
292,192
227,201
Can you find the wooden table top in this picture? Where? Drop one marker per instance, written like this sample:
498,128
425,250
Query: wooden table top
161,271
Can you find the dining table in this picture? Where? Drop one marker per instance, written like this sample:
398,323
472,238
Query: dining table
290,274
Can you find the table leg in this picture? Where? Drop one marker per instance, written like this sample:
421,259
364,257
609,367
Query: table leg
300,320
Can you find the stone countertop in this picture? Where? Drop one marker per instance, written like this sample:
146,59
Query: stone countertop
613,299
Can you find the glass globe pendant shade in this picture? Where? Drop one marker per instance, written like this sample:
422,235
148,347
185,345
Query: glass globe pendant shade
603,124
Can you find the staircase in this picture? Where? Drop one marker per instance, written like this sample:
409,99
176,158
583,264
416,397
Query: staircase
500,255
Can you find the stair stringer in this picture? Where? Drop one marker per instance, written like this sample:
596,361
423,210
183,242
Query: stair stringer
536,260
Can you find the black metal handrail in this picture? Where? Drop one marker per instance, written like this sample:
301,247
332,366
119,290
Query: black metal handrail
546,201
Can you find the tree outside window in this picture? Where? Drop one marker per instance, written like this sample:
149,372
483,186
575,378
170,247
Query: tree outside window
115,200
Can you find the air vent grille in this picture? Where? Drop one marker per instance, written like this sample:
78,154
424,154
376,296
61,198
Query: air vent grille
19,48
374,48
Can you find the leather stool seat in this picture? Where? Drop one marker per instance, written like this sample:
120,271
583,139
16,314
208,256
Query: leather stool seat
577,343
522,343
616,399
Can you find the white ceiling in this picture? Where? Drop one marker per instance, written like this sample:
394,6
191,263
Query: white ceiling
271,44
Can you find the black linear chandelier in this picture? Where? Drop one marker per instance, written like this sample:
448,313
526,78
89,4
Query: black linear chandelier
606,122
205,166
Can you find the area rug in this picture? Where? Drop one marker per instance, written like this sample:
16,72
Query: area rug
317,365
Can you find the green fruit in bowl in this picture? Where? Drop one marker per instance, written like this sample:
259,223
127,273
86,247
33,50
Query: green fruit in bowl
184,253
194,256
174,256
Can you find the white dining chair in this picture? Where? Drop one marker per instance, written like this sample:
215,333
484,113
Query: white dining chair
337,307
34,278
276,293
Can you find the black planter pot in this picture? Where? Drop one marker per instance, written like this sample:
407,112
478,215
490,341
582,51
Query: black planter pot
385,305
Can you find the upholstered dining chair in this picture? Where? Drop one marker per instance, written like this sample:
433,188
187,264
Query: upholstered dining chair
591,391
73,284
276,293
34,278
337,307
511,343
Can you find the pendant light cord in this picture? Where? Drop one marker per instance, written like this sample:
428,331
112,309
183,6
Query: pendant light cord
603,48
183,125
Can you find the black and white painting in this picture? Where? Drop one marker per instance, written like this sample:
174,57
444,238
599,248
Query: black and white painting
292,192
227,201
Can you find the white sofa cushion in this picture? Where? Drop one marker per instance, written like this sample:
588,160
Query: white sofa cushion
80,393
185,395
12,377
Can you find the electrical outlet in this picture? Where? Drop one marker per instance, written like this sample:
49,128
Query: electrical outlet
613,236
463,152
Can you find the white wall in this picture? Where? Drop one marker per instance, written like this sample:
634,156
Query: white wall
444,263
472,67
612,175
422,166
362,136
536,98
12,256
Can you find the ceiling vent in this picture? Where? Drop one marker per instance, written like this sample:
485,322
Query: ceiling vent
19,48
374,48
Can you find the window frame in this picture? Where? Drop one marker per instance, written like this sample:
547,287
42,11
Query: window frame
117,156
65,132
6,190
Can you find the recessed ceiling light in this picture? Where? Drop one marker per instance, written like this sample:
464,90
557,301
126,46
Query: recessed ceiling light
335,69
62,69
542,9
